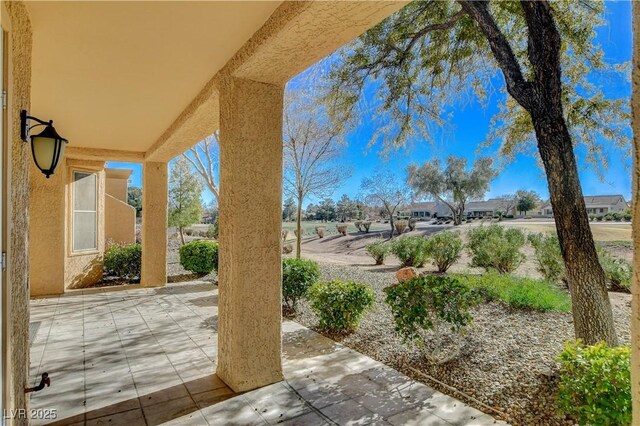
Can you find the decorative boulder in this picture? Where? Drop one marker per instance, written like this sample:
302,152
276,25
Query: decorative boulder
407,273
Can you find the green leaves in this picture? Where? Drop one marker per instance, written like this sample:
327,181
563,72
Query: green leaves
340,305
595,383
185,188
496,247
123,260
412,251
200,256
297,277
421,302
444,248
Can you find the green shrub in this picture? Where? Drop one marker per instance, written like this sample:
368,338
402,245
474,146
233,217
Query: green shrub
340,305
412,251
599,218
627,217
378,251
518,292
444,248
421,302
618,271
548,256
123,260
595,384
298,276
200,256
496,247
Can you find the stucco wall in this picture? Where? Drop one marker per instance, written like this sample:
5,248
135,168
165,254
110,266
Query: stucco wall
154,225
15,20
82,269
117,182
47,217
119,221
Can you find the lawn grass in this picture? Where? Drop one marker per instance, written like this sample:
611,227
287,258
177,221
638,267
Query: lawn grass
519,292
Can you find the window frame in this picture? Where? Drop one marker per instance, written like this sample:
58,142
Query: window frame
72,210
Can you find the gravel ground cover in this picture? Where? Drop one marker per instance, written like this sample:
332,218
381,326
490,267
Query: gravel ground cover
505,360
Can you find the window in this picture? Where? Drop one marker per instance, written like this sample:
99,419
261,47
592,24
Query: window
85,217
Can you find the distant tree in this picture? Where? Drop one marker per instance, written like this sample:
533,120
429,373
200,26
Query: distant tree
311,211
508,202
385,191
210,210
346,208
312,146
453,185
288,209
527,200
185,189
326,210
134,198
204,158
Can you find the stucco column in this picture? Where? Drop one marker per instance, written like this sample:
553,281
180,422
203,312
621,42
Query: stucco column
154,225
250,271
635,289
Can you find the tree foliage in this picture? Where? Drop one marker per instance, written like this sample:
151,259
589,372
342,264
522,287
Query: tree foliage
185,205
452,185
346,208
431,55
134,198
313,144
384,190
526,200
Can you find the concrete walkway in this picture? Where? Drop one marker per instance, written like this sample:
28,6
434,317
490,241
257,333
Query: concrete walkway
147,356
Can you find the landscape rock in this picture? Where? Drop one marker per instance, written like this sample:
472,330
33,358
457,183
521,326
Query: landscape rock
407,273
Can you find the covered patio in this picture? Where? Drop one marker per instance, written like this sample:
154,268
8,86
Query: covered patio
142,82
147,356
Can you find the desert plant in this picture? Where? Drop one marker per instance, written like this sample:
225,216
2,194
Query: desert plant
618,271
420,303
200,256
123,260
599,218
366,225
188,232
412,224
287,248
340,305
284,234
411,250
378,251
518,292
548,255
320,231
297,276
401,226
627,217
496,247
595,384
444,248
342,229
214,230
358,225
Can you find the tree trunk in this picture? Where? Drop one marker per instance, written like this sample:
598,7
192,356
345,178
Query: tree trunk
181,234
299,228
391,222
592,316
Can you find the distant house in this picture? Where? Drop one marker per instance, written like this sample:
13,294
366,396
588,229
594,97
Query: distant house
431,209
596,204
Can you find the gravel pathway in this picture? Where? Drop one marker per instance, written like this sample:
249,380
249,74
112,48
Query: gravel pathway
506,359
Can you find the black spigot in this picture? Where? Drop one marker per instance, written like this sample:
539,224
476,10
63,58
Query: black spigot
44,381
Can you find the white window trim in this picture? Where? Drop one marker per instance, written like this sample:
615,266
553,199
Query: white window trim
73,213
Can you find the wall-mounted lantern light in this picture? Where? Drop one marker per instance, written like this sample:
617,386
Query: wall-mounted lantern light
47,146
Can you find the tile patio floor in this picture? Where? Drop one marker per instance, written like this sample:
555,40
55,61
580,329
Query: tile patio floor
148,356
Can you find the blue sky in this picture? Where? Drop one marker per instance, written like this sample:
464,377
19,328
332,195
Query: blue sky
469,125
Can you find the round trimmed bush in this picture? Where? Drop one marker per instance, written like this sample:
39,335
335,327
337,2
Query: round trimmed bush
340,305
200,256
412,251
298,275
123,260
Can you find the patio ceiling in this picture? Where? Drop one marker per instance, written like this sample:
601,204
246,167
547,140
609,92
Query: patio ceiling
141,79
114,75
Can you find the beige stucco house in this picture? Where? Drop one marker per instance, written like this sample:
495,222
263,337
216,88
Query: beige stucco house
141,82
95,213
596,205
